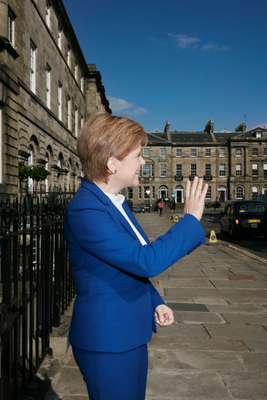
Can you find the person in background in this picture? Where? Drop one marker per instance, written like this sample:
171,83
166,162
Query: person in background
117,308
160,206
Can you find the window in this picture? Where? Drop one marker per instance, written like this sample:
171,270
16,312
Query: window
82,84
48,14
69,113
238,152
59,100
255,169
76,121
265,151
255,151
147,170
146,152
178,152
222,170
193,152
33,52
1,144
76,72
11,27
48,85
140,192
221,152
153,192
30,162
130,193
208,152
239,194
208,169
265,170
258,135
60,37
238,169
254,193
69,56
208,194
162,170
178,169
163,152
193,169
147,192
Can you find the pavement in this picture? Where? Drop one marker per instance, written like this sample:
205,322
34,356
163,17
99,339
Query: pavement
217,347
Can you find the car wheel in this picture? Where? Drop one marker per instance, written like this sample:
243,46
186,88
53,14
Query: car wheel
233,233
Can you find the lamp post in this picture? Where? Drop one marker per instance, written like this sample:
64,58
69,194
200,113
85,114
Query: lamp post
148,191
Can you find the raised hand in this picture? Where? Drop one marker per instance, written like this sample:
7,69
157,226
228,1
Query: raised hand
195,194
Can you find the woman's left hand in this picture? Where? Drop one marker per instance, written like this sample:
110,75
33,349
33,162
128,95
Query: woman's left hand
164,315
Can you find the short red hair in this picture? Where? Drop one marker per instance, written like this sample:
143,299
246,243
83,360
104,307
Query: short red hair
103,136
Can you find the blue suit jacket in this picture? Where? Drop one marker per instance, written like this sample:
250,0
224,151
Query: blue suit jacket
114,307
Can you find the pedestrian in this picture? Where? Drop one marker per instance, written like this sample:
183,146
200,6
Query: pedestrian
117,307
160,206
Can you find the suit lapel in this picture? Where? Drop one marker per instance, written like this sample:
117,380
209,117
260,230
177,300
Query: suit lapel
134,221
115,213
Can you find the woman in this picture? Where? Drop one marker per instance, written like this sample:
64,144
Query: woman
116,307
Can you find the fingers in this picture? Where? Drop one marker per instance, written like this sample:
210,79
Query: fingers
164,316
196,189
187,189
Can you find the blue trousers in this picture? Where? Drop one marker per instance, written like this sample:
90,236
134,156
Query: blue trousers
114,376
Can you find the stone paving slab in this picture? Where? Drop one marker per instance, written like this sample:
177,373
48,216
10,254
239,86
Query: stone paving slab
189,317
237,308
181,330
256,319
256,345
237,331
199,385
200,360
204,344
246,385
186,283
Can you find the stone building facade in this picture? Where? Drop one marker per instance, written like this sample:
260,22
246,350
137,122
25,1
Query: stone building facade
234,164
47,90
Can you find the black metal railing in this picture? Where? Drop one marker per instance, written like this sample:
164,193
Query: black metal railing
35,285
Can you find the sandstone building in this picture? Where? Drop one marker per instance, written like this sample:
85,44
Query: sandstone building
47,90
234,164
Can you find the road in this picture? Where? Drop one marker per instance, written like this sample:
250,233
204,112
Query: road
257,245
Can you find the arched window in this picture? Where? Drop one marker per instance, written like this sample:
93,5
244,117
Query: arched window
30,162
163,192
239,194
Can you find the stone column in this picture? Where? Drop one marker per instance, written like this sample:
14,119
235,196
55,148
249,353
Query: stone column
4,19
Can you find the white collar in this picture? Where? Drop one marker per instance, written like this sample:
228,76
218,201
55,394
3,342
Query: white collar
116,198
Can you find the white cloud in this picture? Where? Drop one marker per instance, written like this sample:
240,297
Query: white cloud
214,47
123,106
118,105
185,41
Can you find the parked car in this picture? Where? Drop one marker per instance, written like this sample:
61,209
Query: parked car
244,217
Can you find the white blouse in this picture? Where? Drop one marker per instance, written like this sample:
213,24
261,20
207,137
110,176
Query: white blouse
117,200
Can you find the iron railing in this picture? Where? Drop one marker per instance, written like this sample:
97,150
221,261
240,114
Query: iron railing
35,285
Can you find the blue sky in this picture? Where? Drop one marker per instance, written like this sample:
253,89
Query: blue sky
185,61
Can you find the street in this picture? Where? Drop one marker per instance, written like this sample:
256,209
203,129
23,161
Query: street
255,244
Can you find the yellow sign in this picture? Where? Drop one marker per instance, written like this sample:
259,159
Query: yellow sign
213,238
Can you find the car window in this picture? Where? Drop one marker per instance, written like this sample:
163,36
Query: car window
251,208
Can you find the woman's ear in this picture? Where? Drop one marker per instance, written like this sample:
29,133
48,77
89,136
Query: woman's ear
112,164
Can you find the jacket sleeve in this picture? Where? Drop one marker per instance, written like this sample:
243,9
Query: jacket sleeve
96,232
